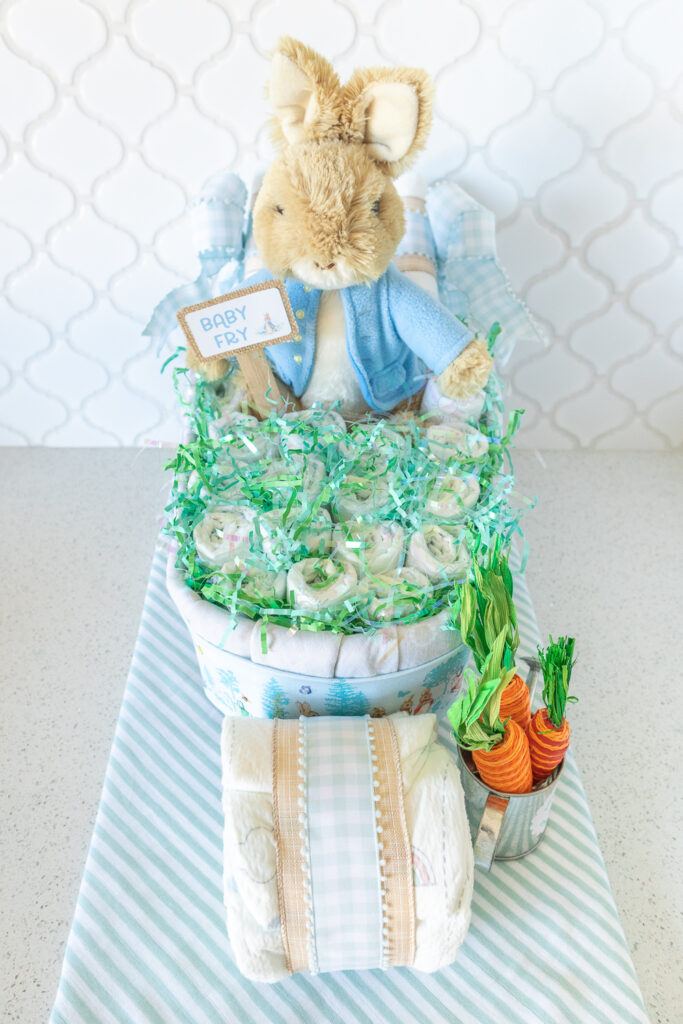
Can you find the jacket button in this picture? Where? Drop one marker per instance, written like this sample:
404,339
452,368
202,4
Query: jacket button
297,337
297,359
300,314
307,287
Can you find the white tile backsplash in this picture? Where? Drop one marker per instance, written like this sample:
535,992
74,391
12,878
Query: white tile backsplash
565,118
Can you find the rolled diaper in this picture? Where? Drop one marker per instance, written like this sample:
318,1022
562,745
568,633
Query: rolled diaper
281,532
363,498
397,594
229,419
453,439
242,447
328,426
317,583
222,535
302,474
258,586
374,450
451,495
370,547
438,553
352,895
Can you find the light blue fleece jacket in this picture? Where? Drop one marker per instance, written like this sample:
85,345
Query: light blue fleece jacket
394,331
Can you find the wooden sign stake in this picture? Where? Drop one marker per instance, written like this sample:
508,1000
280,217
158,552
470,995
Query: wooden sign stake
264,391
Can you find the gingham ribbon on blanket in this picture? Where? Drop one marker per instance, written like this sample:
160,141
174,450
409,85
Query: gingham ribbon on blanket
472,283
218,228
345,884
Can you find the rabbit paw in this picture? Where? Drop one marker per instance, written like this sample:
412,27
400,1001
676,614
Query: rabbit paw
468,373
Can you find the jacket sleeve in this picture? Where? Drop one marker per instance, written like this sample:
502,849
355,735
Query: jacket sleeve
424,324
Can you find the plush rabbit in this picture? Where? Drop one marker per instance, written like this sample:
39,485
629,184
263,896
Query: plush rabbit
328,219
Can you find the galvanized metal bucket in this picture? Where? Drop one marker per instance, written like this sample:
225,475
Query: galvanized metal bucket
504,826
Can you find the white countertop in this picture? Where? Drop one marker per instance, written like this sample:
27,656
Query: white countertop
606,566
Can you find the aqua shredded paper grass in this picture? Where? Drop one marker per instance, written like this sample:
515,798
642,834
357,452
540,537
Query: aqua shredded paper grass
304,521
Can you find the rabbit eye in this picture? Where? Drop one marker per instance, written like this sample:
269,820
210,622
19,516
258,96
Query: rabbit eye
279,209
375,207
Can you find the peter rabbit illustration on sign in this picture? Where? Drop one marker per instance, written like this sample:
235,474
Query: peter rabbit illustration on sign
327,221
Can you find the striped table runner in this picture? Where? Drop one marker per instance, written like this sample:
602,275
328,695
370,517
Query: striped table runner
148,943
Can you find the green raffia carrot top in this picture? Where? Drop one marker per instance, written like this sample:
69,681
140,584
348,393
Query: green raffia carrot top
486,617
303,521
557,662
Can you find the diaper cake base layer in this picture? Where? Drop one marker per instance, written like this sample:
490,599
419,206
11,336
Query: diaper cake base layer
236,684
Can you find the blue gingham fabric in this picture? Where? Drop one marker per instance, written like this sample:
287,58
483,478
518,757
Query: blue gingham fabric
472,283
417,237
218,224
342,842
456,231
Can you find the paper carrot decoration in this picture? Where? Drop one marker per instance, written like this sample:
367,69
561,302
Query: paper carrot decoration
515,703
507,765
500,751
548,730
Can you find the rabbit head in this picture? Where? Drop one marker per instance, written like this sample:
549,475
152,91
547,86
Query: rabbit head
327,213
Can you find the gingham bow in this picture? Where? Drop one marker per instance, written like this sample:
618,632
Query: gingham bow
218,216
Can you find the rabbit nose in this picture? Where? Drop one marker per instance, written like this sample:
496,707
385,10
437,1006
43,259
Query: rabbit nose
330,266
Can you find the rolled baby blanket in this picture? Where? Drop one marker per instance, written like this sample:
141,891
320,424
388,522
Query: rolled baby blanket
335,856
370,547
222,535
287,649
362,655
316,583
426,639
438,553
450,496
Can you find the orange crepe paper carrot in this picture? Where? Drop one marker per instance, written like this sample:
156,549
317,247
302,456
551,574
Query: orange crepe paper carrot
507,765
548,731
547,744
515,704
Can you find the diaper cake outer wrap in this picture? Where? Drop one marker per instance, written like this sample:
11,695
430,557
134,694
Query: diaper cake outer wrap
346,845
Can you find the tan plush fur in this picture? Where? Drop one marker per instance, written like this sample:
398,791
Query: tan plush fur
327,198
327,212
467,374
317,205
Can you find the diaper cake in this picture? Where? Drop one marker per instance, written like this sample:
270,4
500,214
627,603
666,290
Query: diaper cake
320,535
342,507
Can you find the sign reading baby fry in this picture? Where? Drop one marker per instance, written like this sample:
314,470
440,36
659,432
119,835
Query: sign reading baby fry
241,324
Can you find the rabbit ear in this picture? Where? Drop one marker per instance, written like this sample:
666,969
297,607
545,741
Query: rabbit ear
304,92
392,109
